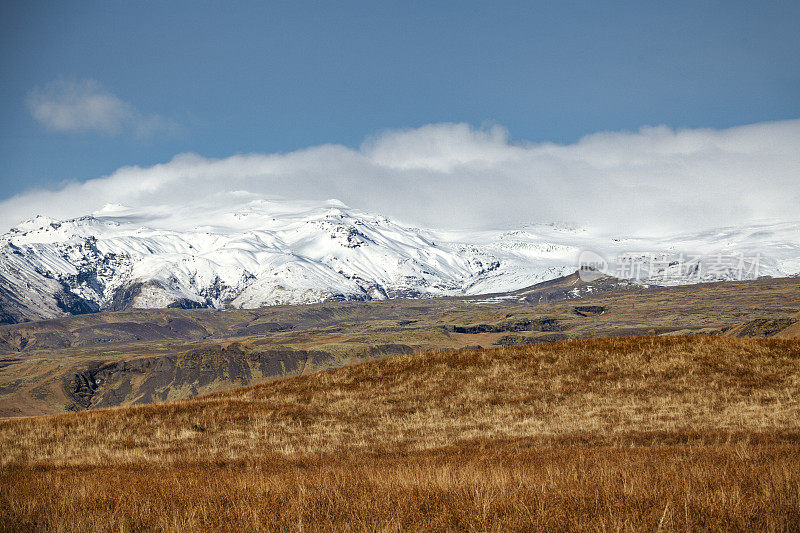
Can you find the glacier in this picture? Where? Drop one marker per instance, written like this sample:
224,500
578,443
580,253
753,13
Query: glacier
273,251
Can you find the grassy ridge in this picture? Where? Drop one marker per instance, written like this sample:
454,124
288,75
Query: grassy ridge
604,389
605,434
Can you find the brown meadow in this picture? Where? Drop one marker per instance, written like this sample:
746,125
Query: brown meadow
642,433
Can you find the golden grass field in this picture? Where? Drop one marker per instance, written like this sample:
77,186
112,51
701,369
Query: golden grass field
618,434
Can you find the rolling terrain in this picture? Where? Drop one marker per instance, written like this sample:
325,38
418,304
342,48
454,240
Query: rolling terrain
648,433
144,356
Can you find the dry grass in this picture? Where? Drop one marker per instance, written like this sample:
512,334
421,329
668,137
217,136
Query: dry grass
678,433
604,389
723,487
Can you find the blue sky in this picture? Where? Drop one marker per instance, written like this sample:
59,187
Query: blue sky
223,78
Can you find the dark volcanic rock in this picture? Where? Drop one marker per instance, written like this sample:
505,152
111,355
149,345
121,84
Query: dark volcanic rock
12,311
263,328
280,361
123,298
588,310
185,303
148,379
73,304
540,324
384,350
523,340
83,386
571,287
762,327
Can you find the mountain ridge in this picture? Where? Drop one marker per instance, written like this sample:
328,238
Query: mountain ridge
271,252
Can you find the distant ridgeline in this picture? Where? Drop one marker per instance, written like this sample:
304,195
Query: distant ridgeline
268,255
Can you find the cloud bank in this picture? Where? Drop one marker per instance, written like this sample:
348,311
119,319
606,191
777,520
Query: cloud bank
80,106
652,181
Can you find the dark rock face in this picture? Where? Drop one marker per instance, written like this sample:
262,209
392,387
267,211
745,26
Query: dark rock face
263,328
385,350
218,291
150,379
84,386
340,297
73,304
185,303
523,340
7,318
588,310
12,311
53,335
280,361
540,324
123,298
81,388
55,291
762,327
571,287
116,332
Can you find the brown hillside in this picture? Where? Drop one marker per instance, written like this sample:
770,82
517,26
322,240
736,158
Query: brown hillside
626,433
608,390
144,356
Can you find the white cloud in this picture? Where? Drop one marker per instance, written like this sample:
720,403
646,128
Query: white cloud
68,106
440,147
454,176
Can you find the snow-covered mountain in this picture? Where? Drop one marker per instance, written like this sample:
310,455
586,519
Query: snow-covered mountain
275,252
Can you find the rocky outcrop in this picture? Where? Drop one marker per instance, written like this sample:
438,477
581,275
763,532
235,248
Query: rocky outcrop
524,340
386,350
588,310
540,324
73,304
762,327
151,379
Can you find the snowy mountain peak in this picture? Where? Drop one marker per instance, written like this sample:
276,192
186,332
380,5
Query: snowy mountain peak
270,251
39,222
